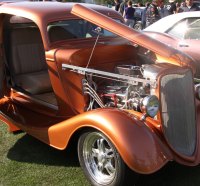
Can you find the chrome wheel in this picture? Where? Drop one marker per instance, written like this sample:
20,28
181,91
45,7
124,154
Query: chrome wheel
100,160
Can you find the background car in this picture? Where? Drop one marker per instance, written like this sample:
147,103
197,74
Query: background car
181,31
197,2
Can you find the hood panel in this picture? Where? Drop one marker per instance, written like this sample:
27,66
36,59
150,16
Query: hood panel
122,30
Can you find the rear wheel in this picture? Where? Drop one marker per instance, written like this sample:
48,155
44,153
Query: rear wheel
100,160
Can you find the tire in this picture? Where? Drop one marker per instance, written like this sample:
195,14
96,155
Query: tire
138,25
100,160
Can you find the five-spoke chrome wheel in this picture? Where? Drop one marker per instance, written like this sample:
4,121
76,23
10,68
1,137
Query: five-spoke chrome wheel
100,159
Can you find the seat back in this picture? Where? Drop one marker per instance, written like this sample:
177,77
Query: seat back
26,60
26,51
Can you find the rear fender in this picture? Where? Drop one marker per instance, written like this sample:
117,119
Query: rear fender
138,145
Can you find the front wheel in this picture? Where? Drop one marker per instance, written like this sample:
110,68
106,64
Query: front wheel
100,160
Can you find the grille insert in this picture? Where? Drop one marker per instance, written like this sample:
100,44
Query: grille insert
178,112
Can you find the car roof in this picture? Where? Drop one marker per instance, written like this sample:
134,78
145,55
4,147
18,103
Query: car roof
38,11
167,22
44,12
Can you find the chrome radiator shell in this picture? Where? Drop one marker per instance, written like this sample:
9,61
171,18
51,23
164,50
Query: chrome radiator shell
178,111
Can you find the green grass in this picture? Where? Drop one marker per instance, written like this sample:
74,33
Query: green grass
25,161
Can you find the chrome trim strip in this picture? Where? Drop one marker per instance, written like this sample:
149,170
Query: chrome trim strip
116,77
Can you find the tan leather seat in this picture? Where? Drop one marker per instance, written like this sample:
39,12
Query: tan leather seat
27,61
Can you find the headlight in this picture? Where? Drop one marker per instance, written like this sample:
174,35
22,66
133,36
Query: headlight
197,91
150,106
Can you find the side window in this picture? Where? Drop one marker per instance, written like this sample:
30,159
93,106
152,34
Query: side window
193,31
186,29
179,29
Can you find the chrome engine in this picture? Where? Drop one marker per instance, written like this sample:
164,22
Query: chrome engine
116,92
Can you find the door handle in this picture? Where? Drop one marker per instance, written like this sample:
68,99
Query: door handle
183,45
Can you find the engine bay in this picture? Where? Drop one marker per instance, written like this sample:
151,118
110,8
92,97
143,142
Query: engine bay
116,92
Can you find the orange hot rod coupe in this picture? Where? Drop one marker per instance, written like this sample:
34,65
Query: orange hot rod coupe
75,72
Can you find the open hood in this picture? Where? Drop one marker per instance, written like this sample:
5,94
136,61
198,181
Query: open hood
122,30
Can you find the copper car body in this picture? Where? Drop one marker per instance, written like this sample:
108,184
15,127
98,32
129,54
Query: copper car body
82,72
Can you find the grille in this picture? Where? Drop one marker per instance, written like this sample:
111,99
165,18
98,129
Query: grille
178,112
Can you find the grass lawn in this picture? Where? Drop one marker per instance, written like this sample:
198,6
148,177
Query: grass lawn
27,161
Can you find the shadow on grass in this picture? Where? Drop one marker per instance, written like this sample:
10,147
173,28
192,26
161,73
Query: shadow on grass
172,174
30,150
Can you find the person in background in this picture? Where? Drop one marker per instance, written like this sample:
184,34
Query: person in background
189,6
143,16
129,15
178,4
183,3
122,7
117,5
171,7
140,4
162,9
152,14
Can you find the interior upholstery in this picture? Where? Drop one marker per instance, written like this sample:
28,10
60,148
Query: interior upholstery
27,60
34,83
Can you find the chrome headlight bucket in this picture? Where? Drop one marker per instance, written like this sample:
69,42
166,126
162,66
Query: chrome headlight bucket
150,106
197,91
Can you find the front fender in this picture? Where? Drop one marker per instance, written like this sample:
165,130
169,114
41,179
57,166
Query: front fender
138,145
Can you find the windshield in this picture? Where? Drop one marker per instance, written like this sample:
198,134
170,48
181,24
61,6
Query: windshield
72,29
